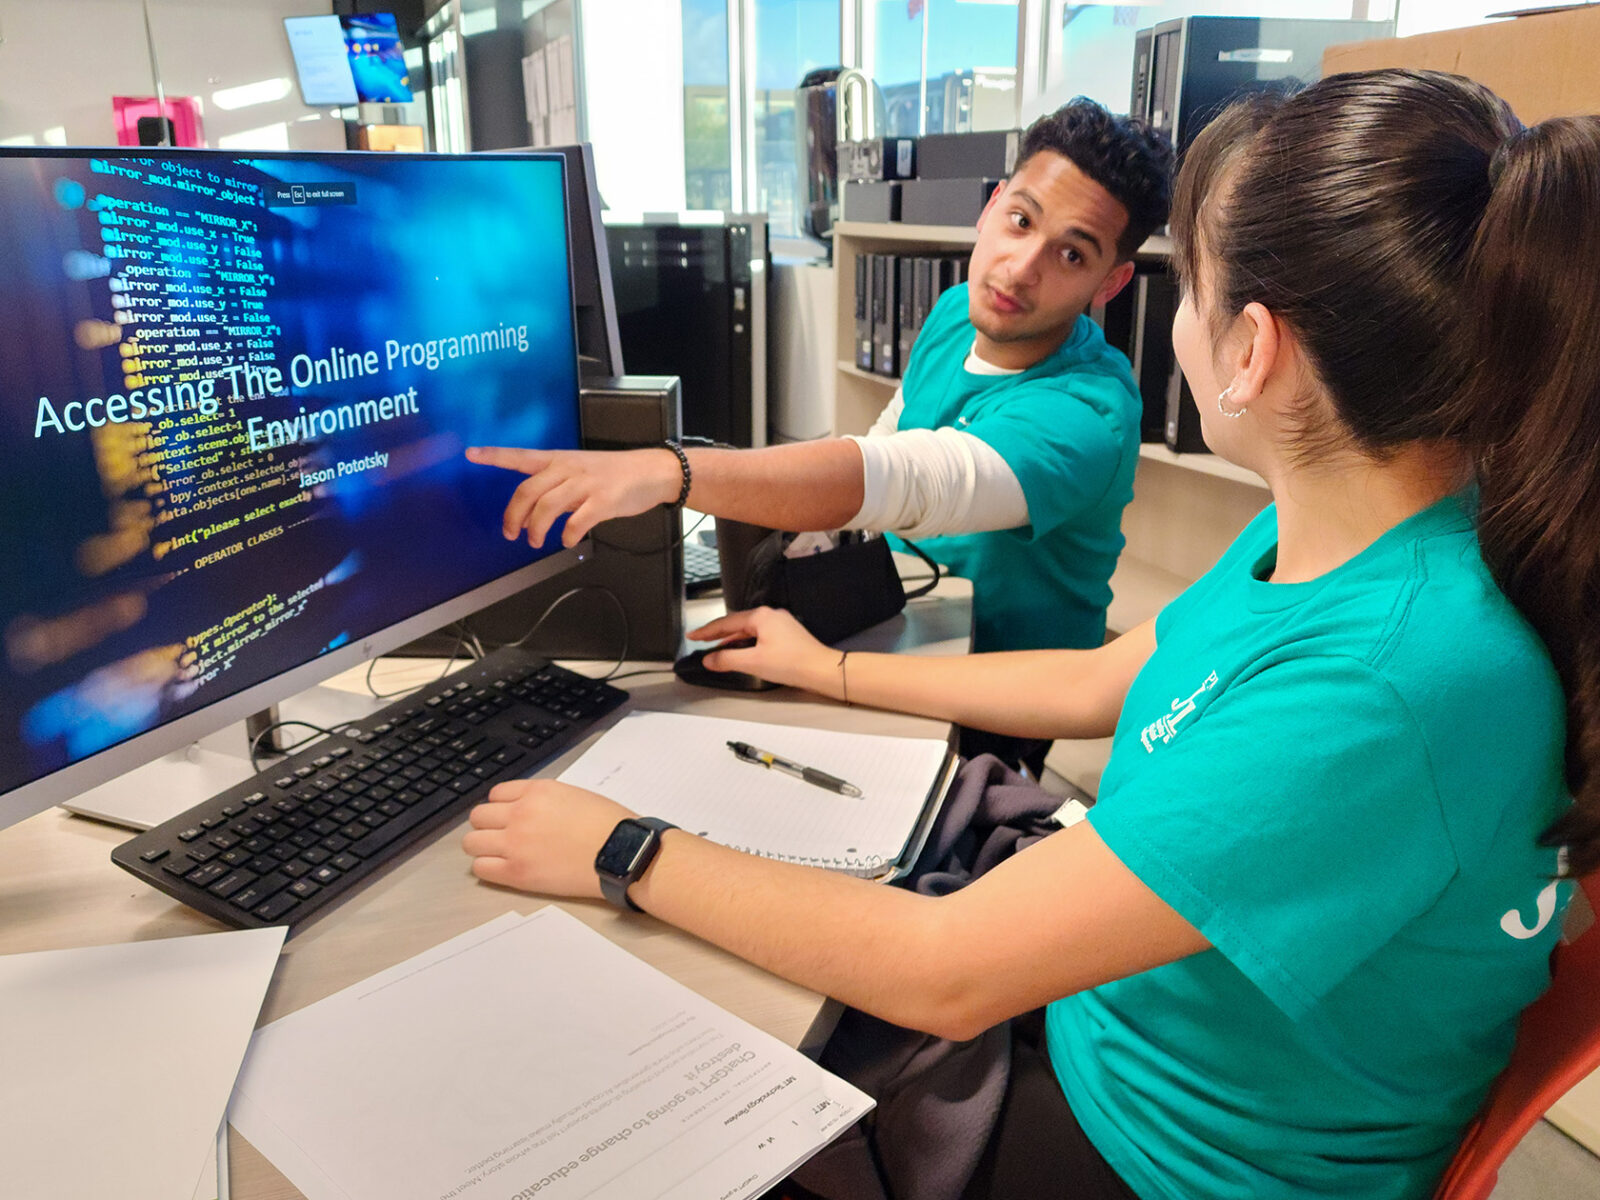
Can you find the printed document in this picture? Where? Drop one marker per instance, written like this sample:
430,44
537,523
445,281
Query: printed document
531,1058
118,1061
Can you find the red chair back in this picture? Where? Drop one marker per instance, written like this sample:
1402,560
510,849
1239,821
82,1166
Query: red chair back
1558,1043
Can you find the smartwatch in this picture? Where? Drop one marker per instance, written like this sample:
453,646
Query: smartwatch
626,855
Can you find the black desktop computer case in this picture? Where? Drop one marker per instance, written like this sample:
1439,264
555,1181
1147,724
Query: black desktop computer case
1186,70
638,559
691,297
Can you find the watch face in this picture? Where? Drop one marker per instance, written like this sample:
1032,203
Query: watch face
621,852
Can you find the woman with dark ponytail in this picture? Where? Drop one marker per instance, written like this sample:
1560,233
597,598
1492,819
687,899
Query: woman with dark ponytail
1354,765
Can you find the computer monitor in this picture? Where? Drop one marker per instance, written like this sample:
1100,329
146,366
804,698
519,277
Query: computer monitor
234,395
599,343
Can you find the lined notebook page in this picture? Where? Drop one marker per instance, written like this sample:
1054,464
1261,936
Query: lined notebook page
679,768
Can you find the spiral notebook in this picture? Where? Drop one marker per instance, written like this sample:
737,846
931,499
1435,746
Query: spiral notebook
679,768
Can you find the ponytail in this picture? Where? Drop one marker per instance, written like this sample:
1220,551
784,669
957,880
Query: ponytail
1532,419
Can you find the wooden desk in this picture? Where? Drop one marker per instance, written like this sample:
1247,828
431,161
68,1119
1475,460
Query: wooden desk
58,887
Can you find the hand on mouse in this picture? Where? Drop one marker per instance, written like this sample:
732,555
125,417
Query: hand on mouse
783,651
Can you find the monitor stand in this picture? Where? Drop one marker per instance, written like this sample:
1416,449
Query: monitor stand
161,789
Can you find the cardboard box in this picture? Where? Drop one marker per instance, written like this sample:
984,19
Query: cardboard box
1543,64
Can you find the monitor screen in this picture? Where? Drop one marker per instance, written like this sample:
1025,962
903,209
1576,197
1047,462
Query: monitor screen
344,60
234,395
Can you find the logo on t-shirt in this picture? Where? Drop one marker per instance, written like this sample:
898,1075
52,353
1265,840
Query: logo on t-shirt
1165,727
1512,922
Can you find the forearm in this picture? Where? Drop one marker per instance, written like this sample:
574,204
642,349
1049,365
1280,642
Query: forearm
879,949
1060,916
1024,693
807,485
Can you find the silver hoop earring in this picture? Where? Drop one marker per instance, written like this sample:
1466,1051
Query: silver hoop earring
1222,405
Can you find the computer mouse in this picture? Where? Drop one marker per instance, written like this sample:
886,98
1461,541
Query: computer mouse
691,668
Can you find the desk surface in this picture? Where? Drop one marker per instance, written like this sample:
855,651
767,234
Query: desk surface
58,887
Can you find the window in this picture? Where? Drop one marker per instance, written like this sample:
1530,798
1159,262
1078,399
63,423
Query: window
707,145
943,66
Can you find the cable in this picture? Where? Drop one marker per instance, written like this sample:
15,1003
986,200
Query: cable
567,595
677,541
464,637
928,584
640,671
255,742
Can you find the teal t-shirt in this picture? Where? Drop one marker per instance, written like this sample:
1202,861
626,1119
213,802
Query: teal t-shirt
1341,784
1068,427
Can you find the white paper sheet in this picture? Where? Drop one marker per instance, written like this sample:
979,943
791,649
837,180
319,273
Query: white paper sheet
531,1057
118,1061
679,768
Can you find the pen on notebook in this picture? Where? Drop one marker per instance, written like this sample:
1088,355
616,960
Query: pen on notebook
766,758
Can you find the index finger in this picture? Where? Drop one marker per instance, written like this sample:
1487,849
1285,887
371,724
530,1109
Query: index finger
511,458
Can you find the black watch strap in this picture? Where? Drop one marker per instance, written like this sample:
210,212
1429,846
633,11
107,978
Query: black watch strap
614,883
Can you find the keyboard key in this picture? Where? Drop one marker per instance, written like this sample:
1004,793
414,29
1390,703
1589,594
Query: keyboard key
378,839
204,876
189,834
305,888
154,855
346,862
231,883
261,890
325,874
277,907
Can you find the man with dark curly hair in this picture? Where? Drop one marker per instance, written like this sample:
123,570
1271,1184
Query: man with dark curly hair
1010,448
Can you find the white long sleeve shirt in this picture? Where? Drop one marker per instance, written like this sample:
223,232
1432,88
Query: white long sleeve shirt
929,482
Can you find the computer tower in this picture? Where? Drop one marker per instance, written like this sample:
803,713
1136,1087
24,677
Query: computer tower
691,295
1184,435
1138,322
1185,71
638,559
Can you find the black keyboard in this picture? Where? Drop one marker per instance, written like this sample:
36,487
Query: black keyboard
702,568
318,824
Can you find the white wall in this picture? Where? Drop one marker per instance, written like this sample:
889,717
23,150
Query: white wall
633,101
61,61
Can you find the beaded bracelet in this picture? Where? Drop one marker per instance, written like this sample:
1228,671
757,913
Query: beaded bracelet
683,463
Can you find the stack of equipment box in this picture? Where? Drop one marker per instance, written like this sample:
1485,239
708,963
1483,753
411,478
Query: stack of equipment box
937,179
894,294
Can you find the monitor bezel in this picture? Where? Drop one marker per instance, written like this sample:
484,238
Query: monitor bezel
63,783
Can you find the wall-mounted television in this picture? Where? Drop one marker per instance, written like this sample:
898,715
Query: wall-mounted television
347,60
